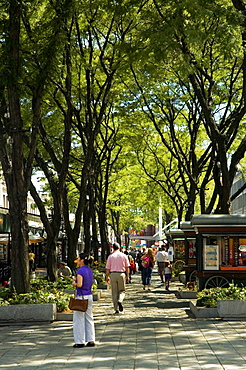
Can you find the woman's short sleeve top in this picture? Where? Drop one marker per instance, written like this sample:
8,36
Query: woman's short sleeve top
87,275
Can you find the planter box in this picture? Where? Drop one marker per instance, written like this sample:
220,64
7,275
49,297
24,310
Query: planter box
182,278
64,316
28,313
97,295
232,309
203,312
186,294
174,278
103,286
69,291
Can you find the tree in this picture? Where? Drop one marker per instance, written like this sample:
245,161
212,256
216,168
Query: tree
101,33
217,78
133,199
172,152
25,67
195,49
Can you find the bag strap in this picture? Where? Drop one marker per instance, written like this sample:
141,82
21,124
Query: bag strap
76,295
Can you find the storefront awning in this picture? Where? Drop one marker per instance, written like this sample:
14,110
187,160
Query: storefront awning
218,220
32,239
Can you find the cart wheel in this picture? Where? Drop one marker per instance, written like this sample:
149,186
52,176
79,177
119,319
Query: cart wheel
192,277
178,264
217,282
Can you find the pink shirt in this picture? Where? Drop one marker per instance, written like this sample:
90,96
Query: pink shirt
117,261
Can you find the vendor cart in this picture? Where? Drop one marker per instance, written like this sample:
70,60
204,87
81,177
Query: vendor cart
176,239
190,250
220,250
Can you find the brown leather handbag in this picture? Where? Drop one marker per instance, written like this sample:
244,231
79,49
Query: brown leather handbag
78,304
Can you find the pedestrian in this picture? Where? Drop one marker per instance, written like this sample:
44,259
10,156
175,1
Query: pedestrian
161,257
148,261
133,254
138,259
117,273
31,257
168,274
132,266
64,271
83,322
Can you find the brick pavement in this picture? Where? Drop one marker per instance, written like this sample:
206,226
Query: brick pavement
155,331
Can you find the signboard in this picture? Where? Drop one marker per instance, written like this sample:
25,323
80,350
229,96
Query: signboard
211,257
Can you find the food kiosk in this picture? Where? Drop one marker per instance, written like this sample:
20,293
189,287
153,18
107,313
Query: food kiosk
190,250
176,238
220,250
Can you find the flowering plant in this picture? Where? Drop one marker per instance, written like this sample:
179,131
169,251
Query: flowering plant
61,299
3,302
99,266
209,297
49,286
99,277
42,291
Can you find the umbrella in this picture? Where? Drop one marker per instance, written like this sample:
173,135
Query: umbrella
35,238
32,239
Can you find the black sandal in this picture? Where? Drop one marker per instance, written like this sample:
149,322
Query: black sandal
78,345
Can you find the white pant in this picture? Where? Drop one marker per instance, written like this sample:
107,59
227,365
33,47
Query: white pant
83,323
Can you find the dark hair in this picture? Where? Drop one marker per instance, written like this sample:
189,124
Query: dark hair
116,246
86,258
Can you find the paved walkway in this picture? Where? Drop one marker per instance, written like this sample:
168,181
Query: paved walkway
154,332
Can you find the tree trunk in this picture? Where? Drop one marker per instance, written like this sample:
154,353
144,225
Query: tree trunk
73,233
51,224
190,202
104,236
86,223
15,174
51,259
127,240
72,249
19,241
95,242
168,217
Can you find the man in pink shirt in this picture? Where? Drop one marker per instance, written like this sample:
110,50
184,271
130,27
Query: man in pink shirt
118,267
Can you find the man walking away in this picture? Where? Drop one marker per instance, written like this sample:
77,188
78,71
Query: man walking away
118,267
161,257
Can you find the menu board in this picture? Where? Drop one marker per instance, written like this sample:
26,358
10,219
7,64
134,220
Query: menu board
211,257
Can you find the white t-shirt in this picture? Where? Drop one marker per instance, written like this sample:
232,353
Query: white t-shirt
161,256
167,270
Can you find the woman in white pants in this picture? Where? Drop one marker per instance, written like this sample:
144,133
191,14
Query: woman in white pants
83,323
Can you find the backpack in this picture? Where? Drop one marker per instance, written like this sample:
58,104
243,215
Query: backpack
146,262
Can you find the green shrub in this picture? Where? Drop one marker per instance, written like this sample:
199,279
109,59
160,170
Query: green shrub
60,298
3,302
5,294
60,284
100,266
177,271
209,297
99,277
42,291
